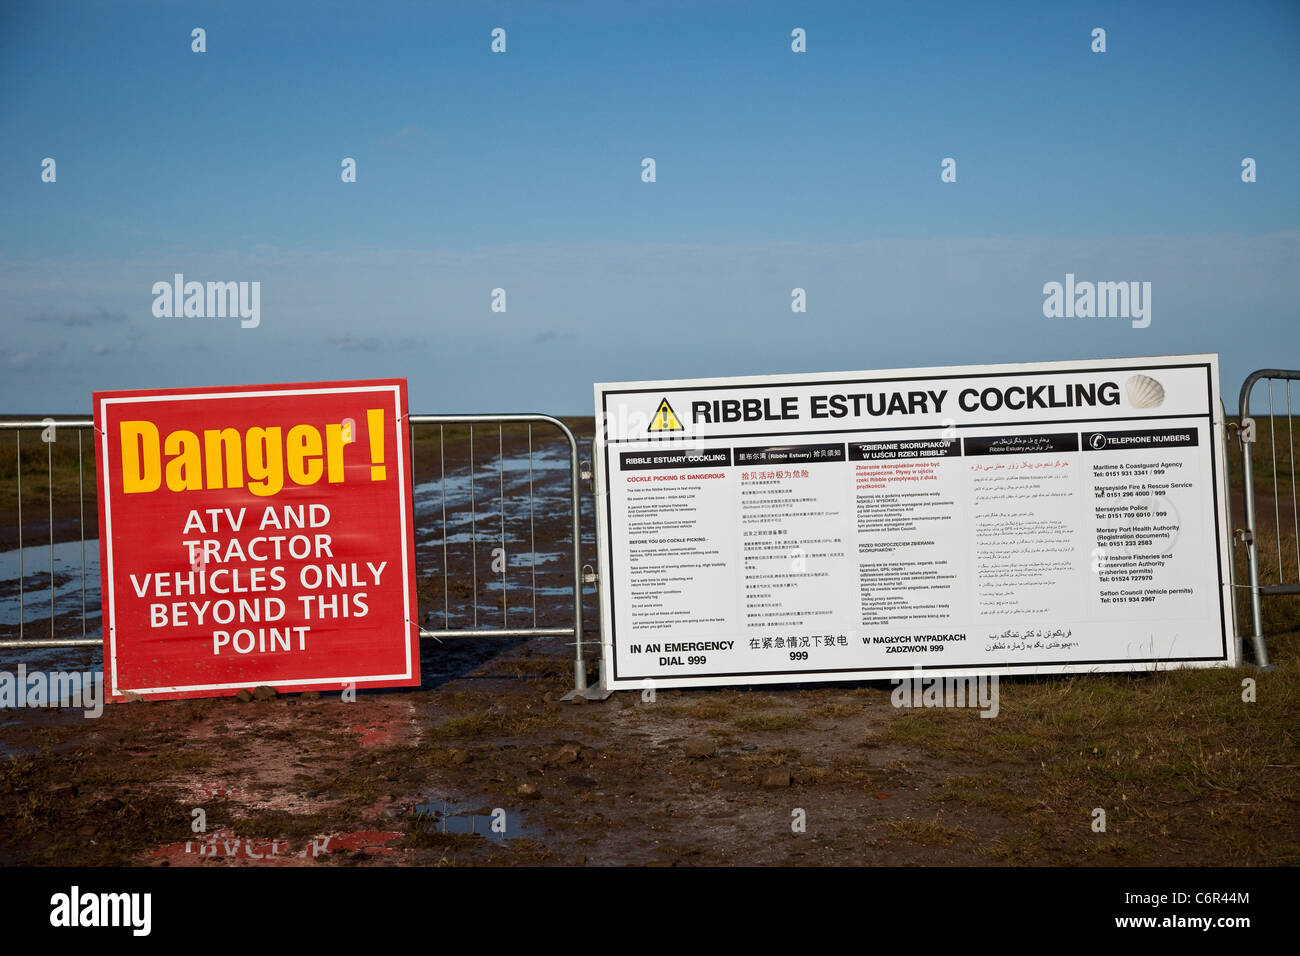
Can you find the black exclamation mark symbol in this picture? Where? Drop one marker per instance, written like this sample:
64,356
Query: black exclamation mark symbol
375,420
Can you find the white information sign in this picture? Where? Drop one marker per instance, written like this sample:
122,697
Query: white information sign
1041,518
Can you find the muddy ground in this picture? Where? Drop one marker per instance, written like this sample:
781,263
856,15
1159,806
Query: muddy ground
692,777
485,764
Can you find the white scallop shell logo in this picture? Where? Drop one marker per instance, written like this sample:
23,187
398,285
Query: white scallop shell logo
1145,392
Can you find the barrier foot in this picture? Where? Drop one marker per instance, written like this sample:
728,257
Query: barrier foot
596,691
1261,654
581,689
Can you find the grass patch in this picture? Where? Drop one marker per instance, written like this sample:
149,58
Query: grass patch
1164,754
767,759
987,791
835,709
509,724
927,832
56,824
712,709
816,775
290,827
46,465
426,836
769,722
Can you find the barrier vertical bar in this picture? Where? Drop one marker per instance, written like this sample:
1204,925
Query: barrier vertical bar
18,451
81,504
579,664
532,532
473,523
49,493
1277,512
1295,508
1248,497
442,484
501,477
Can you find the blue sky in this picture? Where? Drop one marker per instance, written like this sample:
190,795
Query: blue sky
522,171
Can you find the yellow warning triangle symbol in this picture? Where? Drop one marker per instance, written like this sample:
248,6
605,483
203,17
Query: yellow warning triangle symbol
665,419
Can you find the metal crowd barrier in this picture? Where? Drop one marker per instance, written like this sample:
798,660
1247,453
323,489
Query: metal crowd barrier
49,428
1267,559
1265,580
504,627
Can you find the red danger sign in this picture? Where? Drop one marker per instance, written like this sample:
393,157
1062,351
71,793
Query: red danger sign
257,534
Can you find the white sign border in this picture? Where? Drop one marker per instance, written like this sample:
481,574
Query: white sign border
1219,472
107,532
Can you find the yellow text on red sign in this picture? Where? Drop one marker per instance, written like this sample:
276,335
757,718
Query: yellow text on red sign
261,458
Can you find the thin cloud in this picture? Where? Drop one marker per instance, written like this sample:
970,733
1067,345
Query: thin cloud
348,343
404,140
551,336
77,319
128,343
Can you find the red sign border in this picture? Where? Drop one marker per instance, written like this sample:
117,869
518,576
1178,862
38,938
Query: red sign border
398,386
